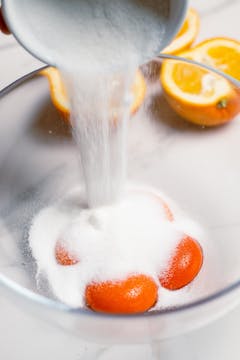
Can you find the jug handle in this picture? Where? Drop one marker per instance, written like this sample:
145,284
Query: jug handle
3,26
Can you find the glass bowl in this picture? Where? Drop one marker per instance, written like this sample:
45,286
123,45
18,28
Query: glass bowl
196,166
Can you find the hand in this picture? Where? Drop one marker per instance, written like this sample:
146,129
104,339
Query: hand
3,26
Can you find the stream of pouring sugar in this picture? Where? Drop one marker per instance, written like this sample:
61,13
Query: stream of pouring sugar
100,109
98,73
109,40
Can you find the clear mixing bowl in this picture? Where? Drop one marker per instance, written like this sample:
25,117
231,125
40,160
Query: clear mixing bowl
198,167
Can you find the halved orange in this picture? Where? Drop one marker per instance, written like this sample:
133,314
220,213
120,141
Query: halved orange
186,35
201,96
60,99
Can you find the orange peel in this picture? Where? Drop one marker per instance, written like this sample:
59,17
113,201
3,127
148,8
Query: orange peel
136,294
186,35
60,99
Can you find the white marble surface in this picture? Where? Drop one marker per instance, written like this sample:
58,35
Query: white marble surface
23,337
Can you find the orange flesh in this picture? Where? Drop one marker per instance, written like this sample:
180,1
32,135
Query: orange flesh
183,29
226,59
192,76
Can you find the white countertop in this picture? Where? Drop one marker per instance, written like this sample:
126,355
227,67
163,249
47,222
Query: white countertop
23,337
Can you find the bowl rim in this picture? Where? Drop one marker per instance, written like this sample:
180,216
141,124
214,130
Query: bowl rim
41,300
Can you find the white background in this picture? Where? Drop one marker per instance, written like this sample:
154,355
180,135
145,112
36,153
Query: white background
23,337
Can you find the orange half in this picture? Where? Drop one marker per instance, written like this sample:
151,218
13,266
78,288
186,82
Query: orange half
60,99
186,35
201,96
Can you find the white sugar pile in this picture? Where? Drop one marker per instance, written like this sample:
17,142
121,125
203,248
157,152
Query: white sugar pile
131,237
